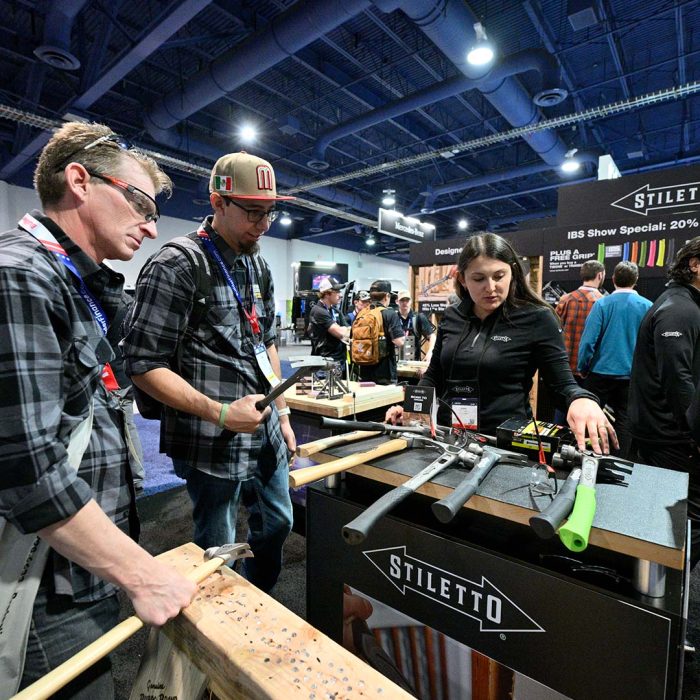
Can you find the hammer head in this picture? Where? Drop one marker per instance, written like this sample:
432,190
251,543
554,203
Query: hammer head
229,552
311,362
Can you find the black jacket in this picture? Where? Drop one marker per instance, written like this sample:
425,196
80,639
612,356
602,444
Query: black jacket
666,367
500,356
321,318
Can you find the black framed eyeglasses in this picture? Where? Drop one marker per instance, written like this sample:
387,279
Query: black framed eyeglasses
255,216
114,139
142,203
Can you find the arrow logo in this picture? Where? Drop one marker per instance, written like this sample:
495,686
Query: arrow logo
483,602
646,199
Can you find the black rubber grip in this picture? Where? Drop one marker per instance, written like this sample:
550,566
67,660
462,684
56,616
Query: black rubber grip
446,508
546,523
357,530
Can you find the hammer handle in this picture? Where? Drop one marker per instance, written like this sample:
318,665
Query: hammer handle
60,676
299,477
311,448
280,388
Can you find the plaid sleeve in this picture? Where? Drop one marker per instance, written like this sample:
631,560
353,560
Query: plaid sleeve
270,333
38,407
159,315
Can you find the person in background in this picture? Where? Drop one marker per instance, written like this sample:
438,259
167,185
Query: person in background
489,347
384,372
607,346
665,379
417,325
327,327
226,449
66,487
360,302
573,308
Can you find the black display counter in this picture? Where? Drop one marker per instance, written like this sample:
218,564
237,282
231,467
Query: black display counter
574,622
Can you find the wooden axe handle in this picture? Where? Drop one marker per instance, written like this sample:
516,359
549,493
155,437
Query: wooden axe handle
299,477
311,448
53,681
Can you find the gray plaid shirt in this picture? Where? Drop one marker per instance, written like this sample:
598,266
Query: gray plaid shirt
51,358
217,358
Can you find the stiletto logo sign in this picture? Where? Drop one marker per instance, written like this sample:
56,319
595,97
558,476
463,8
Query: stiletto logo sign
646,198
479,600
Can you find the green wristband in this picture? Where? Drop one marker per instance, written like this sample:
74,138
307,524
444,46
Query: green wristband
222,414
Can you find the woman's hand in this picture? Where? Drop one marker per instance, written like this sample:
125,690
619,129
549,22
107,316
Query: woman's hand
394,415
585,416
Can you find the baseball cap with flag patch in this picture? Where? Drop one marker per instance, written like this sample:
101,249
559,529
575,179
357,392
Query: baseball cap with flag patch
244,176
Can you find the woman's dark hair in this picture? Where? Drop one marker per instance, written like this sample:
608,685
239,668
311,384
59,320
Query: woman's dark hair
491,245
680,271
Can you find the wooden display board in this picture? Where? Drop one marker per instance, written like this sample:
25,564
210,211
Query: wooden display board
366,398
250,646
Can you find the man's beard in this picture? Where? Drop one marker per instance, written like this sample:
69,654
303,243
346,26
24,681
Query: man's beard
249,248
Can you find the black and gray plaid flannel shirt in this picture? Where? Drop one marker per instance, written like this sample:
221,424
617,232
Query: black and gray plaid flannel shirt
217,358
51,357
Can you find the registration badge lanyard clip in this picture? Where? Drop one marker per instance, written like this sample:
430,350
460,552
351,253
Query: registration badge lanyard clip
251,315
29,224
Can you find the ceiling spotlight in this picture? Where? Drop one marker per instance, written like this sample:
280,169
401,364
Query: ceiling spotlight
389,199
248,133
285,219
370,240
482,52
462,224
570,163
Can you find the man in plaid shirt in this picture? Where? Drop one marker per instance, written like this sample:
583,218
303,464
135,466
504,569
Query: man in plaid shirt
56,303
573,309
210,374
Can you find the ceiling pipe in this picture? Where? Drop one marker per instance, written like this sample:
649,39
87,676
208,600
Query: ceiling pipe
521,62
526,216
472,183
150,42
58,26
286,34
449,25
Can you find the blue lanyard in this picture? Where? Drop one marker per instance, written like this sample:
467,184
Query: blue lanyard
251,315
29,224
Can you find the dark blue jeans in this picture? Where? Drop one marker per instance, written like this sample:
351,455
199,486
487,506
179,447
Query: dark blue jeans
215,504
60,629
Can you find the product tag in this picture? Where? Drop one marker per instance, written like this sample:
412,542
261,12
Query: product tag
263,361
420,406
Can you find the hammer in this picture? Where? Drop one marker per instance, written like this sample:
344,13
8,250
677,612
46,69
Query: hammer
304,365
214,558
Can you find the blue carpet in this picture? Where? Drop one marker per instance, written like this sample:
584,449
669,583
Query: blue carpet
160,475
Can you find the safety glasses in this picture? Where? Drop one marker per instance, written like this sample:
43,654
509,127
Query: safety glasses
142,203
255,216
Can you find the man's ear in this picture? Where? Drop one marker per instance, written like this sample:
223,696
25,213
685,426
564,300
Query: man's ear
217,202
77,178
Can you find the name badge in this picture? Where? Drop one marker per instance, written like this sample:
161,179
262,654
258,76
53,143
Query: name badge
467,411
263,361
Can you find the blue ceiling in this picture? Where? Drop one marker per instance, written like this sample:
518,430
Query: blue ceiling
335,87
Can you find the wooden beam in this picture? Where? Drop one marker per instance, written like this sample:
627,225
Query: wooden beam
251,647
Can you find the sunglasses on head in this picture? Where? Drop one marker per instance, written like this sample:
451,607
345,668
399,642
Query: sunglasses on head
115,139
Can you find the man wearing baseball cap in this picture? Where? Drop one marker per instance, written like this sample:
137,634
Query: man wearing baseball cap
327,326
200,340
417,325
360,301
384,372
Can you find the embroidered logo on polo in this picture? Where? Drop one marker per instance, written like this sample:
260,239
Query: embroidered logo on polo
463,389
500,338
671,334
479,600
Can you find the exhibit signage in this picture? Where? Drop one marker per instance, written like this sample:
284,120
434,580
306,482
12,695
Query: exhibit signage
396,224
632,198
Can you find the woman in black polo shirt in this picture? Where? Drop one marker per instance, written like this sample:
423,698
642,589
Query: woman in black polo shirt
490,345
